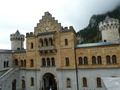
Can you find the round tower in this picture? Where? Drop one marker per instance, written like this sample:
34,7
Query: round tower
17,41
110,30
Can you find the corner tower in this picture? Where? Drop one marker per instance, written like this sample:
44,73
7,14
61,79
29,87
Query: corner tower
17,40
110,30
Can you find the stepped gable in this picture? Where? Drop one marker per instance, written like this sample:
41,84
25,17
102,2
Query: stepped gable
47,24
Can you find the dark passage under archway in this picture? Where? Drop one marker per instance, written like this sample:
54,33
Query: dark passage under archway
14,84
49,82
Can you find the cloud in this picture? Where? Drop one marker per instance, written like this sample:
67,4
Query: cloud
25,14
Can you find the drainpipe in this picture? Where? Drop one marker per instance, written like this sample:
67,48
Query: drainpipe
76,70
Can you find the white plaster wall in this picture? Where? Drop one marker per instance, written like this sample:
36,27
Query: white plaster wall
62,75
7,83
16,44
27,74
110,35
5,57
92,74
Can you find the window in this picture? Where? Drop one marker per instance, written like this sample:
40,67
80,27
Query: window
4,64
16,62
93,60
31,63
66,42
68,83
99,82
114,61
21,63
53,61
23,84
25,63
67,62
84,82
46,41
80,61
108,59
85,61
105,40
31,45
43,62
7,63
41,42
32,81
48,62
51,41
99,60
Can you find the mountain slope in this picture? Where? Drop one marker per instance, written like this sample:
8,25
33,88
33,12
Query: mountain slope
91,33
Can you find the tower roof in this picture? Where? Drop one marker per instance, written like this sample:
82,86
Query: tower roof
17,32
107,18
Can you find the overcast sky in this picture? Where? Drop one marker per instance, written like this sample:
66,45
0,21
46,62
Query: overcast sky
25,14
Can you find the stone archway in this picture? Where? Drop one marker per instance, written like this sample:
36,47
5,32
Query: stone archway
14,84
49,82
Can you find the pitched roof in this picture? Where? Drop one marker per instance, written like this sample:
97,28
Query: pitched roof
17,32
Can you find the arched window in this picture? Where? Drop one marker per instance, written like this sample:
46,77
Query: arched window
43,62
80,61
53,61
21,63
48,62
99,82
4,64
68,83
41,42
31,45
99,59
31,63
93,60
108,59
7,63
114,60
84,82
32,81
85,61
51,41
16,62
23,84
66,42
46,41
67,61
25,63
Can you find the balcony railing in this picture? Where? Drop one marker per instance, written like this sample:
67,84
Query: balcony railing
47,49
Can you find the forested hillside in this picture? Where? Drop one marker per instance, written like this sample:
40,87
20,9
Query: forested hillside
91,33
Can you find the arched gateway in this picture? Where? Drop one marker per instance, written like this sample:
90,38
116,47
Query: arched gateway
49,82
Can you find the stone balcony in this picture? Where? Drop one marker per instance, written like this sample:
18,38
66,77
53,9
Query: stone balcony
47,49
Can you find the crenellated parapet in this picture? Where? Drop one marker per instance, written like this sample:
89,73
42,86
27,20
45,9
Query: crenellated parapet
17,36
48,22
66,29
17,41
109,23
31,34
110,30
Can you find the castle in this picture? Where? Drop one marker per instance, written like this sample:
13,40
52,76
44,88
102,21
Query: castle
53,60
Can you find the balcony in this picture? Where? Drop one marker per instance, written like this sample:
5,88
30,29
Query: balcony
47,49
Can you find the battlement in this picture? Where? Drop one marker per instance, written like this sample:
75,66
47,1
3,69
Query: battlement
109,23
66,29
31,34
109,30
17,36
